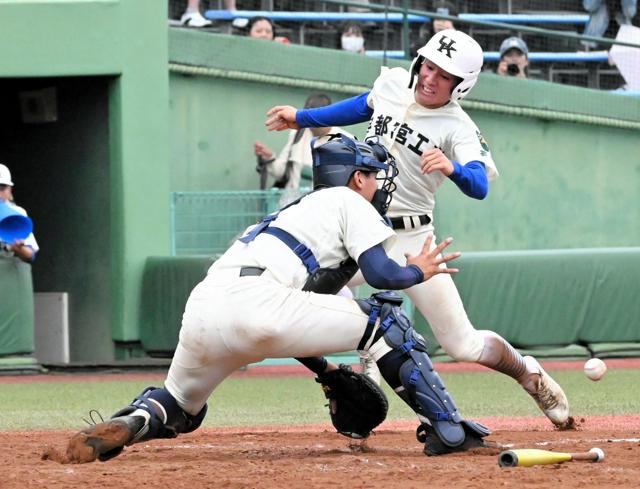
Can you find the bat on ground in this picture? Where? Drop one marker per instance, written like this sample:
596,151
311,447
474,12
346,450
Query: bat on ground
528,457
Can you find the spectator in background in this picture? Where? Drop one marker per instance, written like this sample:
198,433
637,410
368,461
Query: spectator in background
599,17
444,8
25,249
427,30
292,166
262,28
514,58
192,16
352,39
360,9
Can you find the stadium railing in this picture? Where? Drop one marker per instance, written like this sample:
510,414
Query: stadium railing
393,17
593,56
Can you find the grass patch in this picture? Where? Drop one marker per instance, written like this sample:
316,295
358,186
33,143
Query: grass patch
297,400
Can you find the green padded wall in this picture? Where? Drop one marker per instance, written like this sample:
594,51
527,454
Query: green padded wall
97,180
16,307
532,298
553,297
166,286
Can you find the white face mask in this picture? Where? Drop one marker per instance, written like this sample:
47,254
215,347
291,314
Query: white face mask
351,43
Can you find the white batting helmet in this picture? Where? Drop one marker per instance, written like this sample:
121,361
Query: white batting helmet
5,176
456,53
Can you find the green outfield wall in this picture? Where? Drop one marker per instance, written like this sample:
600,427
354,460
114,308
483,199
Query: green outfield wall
143,110
569,157
95,180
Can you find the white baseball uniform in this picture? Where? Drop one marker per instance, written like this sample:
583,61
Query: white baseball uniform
231,321
407,130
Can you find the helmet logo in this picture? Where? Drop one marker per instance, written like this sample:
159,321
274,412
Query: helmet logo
444,46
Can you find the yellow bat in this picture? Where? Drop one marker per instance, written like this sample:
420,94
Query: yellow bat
528,457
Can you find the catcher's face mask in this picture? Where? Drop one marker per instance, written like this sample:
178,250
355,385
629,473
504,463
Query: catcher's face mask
386,186
335,162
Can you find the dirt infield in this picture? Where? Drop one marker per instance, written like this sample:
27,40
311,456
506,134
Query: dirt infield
316,457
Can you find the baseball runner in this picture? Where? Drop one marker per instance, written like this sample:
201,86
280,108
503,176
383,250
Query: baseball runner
417,117
252,305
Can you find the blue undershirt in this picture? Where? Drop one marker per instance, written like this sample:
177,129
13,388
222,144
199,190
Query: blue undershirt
381,272
471,178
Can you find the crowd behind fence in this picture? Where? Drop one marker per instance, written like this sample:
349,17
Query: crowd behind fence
552,30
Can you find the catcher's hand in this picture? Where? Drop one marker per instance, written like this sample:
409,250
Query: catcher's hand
356,403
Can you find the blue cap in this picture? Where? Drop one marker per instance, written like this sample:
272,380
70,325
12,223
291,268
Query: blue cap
514,42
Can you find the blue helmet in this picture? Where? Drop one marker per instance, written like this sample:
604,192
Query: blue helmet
335,161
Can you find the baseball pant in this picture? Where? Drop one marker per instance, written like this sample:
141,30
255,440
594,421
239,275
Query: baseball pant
438,301
231,321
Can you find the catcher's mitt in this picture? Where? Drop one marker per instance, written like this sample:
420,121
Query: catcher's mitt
356,403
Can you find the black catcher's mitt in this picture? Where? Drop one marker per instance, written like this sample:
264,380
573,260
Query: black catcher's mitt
356,403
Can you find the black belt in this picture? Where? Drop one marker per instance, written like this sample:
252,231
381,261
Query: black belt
409,222
251,271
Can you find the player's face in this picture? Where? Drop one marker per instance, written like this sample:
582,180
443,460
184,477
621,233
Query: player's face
6,193
369,185
434,86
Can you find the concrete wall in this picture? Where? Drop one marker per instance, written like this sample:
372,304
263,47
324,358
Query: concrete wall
102,215
569,179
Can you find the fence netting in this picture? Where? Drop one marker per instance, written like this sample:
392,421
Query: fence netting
558,59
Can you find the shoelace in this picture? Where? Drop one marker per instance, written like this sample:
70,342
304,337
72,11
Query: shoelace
91,421
545,395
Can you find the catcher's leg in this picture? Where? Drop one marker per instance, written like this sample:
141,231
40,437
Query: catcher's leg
401,354
439,302
153,414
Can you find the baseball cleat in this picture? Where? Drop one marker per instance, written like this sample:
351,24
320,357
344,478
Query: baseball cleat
103,441
548,395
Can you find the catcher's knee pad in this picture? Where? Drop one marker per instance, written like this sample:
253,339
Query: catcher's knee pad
164,418
401,353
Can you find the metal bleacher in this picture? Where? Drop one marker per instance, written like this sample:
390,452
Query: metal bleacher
557,59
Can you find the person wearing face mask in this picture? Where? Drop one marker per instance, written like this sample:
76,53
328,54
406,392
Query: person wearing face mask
417,117
352,39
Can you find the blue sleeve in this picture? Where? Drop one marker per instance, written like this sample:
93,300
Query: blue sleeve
343,113
382,272
471,179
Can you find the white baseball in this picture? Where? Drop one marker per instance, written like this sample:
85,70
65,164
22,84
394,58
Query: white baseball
595,368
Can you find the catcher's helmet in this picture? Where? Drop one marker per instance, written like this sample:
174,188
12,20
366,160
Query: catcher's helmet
456,53
335,161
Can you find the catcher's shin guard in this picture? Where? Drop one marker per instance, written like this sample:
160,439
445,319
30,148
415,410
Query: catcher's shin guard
164,418
401,354
153,414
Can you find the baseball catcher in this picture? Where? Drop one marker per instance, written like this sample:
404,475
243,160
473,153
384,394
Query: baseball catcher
252,305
